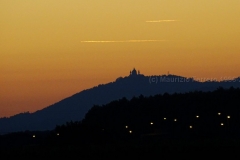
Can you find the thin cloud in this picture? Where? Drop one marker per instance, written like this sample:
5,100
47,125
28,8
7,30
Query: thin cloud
160,21
125,41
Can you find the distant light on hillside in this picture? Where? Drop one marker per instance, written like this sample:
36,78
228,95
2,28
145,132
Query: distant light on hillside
222,124
126,126
33,136
219,113
175,120
58,134
165,118
228,117
151,123
130,131
197,116
190,127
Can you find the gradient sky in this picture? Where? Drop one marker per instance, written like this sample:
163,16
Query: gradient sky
50,50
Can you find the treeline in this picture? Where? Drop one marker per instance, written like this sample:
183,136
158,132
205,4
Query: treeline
176,123
189,115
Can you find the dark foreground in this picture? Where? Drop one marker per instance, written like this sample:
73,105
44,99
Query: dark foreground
193,125
147,147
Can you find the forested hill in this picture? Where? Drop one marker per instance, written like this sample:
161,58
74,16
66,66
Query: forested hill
75,107
198,113
190,122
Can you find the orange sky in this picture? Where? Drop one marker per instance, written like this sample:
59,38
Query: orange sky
50,50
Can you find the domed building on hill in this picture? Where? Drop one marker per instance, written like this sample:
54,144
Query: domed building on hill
134,72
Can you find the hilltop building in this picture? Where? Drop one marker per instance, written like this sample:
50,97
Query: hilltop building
134,72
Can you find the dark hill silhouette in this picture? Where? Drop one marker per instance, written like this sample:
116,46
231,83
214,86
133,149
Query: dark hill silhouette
192,122
75,107
190,115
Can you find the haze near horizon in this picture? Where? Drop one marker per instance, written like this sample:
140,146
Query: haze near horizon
50,50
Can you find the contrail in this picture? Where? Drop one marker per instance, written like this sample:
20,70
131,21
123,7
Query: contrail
159,21
125,41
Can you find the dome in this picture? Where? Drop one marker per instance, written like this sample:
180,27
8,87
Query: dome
133,72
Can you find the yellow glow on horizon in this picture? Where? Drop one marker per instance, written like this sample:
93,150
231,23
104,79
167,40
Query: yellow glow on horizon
50,50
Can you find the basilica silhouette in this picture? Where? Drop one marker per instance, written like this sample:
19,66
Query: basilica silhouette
134,72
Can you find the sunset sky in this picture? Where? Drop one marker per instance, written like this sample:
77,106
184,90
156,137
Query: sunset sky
52,49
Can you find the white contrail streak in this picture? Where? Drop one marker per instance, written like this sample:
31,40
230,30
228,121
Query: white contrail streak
159,21
125,41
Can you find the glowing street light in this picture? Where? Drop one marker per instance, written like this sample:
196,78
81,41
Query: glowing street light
175,120
197,116
33,136
126,126
190,127
130,131
151,123
228,117
165,118
219,113
58,134
222,124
